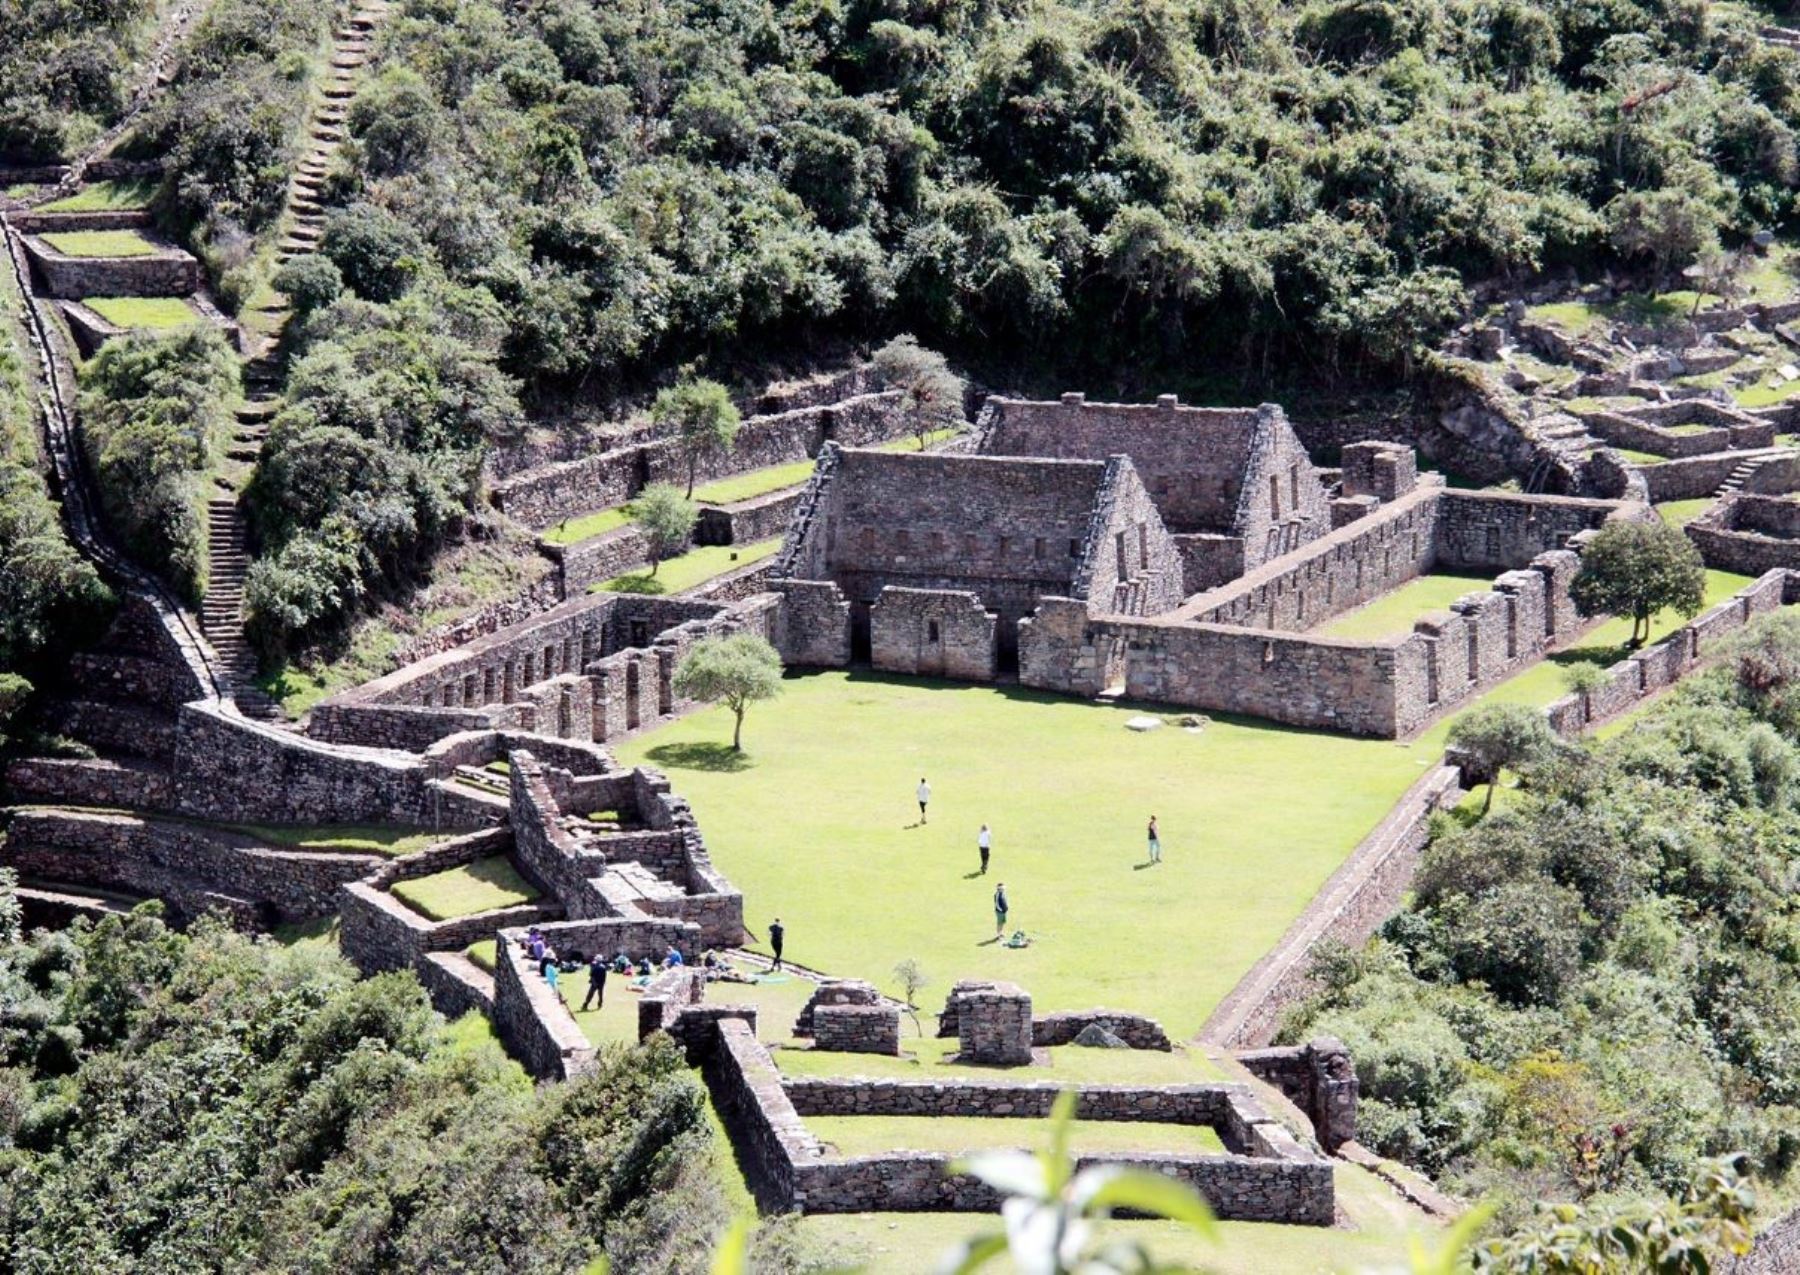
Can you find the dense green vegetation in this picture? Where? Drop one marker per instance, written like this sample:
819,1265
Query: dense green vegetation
371,467
50,596
1594,987
1089,182
226,128
213,1102
155,409
63,72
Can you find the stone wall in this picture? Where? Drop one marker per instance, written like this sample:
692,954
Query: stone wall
857,1029
766,1132
747,521
166,272
598,558
933,633
1201,1105
187,866
834,991
540,498
1317,1077
814,629
1645,672
1129,562
993,1024
1749,534
1136,1030
1704,475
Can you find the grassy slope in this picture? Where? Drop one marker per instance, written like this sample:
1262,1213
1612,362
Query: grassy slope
100,243
1678,513
695,567
144,312
481,886
1392,615
366,838
106,196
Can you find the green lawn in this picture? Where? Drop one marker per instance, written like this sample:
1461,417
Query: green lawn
695,567
910,442
1689,429
144,312
571,530
1678,513
815,823
100,243
1640,458
1762,394
483,953
1378,1228
481,886
872,1135
928,1058
757,482
1392,615
367,838
106,196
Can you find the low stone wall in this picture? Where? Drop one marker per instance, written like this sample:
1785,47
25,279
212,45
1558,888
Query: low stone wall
993,1023
598,558
1206,1106
1136,1030
81,782
1654,668
1620,430
766,1132
814,629
1749,534
1363,893
452,995
542,497
835,991
748,521
1317,1077
180,863
167,272
857,1029
1704,475
536,1027
534,599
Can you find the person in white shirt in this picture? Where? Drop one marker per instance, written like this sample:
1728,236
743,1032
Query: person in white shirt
924,798
984,841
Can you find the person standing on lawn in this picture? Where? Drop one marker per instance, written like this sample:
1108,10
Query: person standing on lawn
984,842
924,795
1155,842
596,992
1000,909
776,935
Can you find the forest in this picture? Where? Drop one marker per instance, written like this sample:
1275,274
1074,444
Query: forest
1593,990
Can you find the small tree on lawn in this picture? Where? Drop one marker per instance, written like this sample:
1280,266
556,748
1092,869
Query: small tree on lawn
929,391
911,977
1500,737
1638,569
701,415
735,671
667,518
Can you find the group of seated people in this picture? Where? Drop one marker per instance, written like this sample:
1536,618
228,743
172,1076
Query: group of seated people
551,966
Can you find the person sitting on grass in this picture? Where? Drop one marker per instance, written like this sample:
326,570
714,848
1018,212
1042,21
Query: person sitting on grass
672,958
621,964
645,969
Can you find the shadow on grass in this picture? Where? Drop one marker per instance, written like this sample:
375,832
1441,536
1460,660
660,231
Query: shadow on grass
699,755
642,582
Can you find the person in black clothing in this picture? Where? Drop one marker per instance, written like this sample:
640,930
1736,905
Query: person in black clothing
596,982
1000,909
776,935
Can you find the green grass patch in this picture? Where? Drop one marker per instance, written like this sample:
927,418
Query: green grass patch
100,243
484,954
1689,429
1762,394
122,195
320,933
144,312
1393,613
757,482
363,838
1577,318
929,1058
1678,513
573,530
1640,458
695,567
481,886
872,1135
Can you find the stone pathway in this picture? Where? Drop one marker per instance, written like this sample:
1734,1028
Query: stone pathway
265,367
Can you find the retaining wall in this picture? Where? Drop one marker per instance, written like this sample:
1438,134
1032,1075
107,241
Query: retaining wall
166,272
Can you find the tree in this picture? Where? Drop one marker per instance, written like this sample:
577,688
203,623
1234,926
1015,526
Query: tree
735,671
667,518
1500,737
911,977
1638,569
310,282
701,415
1051,1208
14,691
930,392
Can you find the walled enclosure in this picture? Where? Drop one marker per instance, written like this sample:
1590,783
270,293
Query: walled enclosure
1749,534
1246,647
871,521
1234,484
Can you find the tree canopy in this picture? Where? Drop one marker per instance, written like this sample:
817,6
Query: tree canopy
1638,569
735,671
667,518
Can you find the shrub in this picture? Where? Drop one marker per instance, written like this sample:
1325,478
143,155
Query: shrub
376,253
310,282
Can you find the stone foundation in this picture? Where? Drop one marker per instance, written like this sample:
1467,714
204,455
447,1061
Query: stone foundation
857,1029
993,1024
1317,1077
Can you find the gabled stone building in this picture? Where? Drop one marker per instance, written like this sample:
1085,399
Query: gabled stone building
925,563
1234,485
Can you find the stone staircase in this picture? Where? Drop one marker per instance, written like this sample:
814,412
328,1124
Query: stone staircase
1566,434
1735,480
222,612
